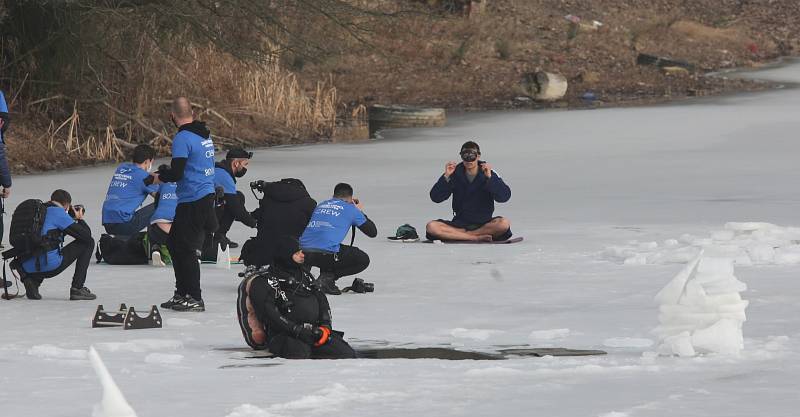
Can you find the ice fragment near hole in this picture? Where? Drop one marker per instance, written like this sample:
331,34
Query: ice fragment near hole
701,310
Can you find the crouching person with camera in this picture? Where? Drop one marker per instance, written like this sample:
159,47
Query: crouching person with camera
280,309
37,259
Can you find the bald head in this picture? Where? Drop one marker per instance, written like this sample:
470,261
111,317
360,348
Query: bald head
182,110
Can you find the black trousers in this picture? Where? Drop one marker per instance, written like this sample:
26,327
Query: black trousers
288,347
156,236
226,217
350,260
75,251
192,221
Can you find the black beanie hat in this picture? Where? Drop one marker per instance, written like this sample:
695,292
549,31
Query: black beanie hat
238,153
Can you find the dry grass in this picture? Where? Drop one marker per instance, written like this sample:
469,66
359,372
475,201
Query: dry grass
277,94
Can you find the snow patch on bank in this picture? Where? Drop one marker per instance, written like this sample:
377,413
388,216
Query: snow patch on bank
748,243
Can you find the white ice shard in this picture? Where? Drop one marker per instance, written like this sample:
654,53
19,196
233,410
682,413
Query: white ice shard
701,310
113,403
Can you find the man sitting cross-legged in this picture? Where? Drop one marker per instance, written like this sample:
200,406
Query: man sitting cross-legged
475,188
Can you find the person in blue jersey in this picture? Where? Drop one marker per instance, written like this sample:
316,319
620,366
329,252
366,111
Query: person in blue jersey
321,241
5,172
126,192
475,188
161,221
230,207
192,168
61,219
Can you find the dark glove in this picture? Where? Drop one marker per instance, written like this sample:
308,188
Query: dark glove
313,335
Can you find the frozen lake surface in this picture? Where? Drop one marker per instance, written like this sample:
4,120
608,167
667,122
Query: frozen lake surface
582,181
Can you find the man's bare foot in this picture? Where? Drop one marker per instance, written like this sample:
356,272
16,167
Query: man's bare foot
483,238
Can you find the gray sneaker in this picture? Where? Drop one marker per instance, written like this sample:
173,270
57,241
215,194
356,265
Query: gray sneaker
82,293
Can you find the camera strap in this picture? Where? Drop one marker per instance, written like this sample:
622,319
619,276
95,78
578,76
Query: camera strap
352,235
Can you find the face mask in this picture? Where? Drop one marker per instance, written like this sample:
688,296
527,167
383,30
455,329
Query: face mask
240,173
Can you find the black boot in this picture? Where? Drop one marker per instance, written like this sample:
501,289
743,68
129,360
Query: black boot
31,289
327,283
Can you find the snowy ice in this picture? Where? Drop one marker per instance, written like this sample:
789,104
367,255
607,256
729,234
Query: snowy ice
581,181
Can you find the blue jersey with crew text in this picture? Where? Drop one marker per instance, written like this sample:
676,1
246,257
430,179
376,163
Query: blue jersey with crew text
167,201
198,177
126,193
55,219
223,179
329,224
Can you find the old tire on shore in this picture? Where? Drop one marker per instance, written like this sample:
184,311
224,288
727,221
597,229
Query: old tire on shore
382,117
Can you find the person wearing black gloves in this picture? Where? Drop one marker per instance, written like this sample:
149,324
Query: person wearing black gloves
230,207
321,241
33,269
284,210
280,309
192,168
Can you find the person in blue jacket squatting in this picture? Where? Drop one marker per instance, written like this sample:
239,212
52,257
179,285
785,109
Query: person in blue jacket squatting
161,221
126,192
192,168
32,270
321,241
5,173
475,188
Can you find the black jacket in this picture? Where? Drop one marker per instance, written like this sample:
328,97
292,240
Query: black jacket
284,211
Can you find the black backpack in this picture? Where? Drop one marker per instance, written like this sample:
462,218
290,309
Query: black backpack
122,251
26,231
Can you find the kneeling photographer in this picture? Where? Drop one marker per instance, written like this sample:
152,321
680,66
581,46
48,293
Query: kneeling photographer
283,210
36,260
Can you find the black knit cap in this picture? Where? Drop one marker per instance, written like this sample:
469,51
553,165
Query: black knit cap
470,145
238,153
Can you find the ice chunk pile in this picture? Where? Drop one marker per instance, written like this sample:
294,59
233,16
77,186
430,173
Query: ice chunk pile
750,243
701,310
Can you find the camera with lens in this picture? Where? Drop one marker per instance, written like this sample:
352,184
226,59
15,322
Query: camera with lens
76,208
258,185
360,287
